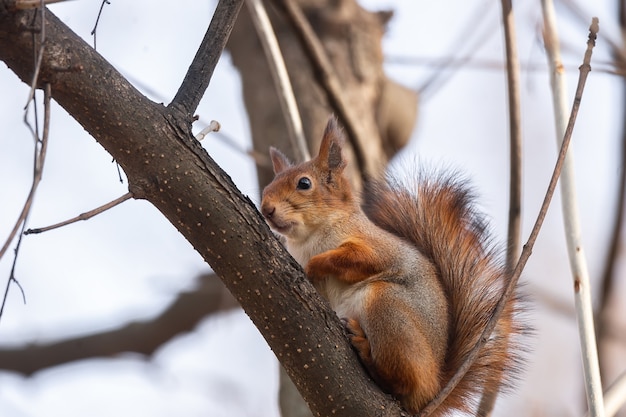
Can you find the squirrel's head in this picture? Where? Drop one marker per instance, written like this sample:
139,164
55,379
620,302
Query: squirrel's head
306,196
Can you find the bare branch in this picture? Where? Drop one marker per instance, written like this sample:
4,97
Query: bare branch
95,26
526,252
475,29
281,78
83,216
578,263
40,150
453,63
515,133
201,69
488,399
143,337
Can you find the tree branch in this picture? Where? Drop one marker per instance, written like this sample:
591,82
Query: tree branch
167,166
83,216
488,400
281,79
40,150
201,69
526,252
145,337
571,221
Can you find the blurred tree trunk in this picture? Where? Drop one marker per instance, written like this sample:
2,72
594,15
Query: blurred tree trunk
352,38
217,221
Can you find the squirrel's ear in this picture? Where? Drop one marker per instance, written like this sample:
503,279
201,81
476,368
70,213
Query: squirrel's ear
330,148
279,160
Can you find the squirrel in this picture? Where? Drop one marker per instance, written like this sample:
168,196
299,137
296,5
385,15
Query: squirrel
410,270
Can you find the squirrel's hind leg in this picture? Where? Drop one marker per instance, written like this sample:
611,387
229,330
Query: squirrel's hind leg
396,350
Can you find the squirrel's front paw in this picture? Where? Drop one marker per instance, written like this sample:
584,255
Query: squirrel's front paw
314,272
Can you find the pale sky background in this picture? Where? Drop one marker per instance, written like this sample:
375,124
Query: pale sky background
128,263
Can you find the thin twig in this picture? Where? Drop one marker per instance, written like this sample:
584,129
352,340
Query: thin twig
582,16
260,159
515,133
83,216
474,34
578,263
95,26
41,148
448,63
213,126
488,399
527,250
281,78
38,159
201,69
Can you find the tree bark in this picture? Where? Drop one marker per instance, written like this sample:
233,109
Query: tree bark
167,166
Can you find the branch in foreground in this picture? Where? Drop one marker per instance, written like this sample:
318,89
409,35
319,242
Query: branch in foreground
526,252
167,166
571,221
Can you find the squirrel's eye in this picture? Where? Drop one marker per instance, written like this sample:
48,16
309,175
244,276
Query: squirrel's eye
304,183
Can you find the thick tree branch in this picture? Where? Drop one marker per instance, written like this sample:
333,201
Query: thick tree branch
168,167
201,69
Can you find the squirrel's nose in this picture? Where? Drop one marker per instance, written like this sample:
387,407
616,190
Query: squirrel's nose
268,210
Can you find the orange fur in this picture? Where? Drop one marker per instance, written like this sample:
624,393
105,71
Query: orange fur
412,273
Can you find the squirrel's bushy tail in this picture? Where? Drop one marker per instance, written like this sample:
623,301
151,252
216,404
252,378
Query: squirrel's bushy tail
437,214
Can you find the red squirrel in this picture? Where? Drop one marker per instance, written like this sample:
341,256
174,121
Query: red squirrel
411,272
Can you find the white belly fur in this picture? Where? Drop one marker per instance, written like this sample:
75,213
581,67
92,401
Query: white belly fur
346,300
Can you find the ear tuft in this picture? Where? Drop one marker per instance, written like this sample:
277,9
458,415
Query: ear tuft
331,146
279,160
